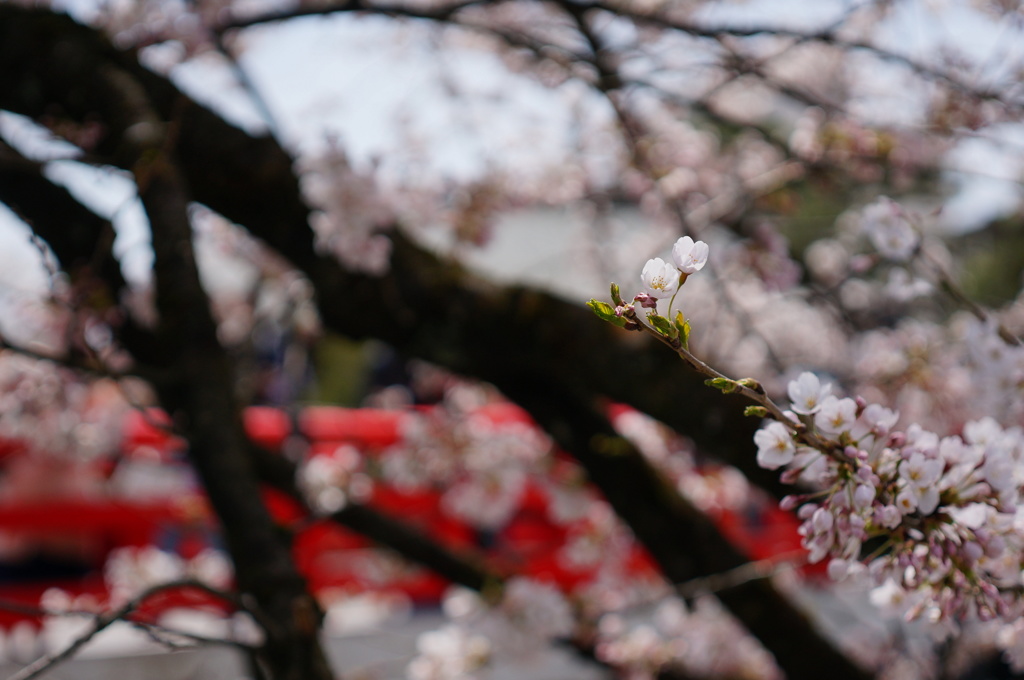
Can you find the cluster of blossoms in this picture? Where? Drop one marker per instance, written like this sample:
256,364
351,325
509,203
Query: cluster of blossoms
938,517
481,456
529,615
930,522
130,571
353,214
329,482
662,279
889,228
449,652
701,641
43,406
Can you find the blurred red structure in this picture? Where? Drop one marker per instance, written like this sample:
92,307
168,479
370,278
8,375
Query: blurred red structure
330,556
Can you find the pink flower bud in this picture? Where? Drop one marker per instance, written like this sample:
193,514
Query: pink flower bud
838,569
972,551
790,502
790,476
806,511
646,301
863,496
822,520
995,547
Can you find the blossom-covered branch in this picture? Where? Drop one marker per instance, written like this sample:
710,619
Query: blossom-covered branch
930,519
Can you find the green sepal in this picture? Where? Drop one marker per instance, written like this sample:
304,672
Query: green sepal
662,325
683,328
616,295
606,312
724,384
756,411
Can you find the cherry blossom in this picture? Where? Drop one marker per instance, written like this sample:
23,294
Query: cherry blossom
889,230
660,279
689,256
807,393
449,653
835,415
946,507
774,446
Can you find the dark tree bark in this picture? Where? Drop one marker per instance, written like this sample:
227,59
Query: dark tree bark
201,400
200,395
80,239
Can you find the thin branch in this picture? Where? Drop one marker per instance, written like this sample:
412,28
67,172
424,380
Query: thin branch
104,621
610,80
828,35
745,573
746,387
162,635
952,287
359,6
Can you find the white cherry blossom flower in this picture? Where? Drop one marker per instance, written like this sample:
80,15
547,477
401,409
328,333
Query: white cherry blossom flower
660,279
920,471
921,475
807,393
955,452
903,287
890,596
449,653
836,415
984,431
689,256
774,446
881,420
889,230
972,515
927,499
906,501
998,469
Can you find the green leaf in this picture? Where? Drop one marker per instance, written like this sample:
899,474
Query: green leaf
616,295
724,384
756,411
683,327
662,325
606,312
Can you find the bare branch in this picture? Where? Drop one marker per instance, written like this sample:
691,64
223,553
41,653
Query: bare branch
104,621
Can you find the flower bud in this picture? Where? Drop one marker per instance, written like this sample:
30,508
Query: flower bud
790,502
646,301
995,547
864,496
972,551
822,520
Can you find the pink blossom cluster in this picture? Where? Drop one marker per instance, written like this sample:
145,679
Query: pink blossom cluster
328,482
48,408
482,464
130,570
662,279
528,616
931,518
702,640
